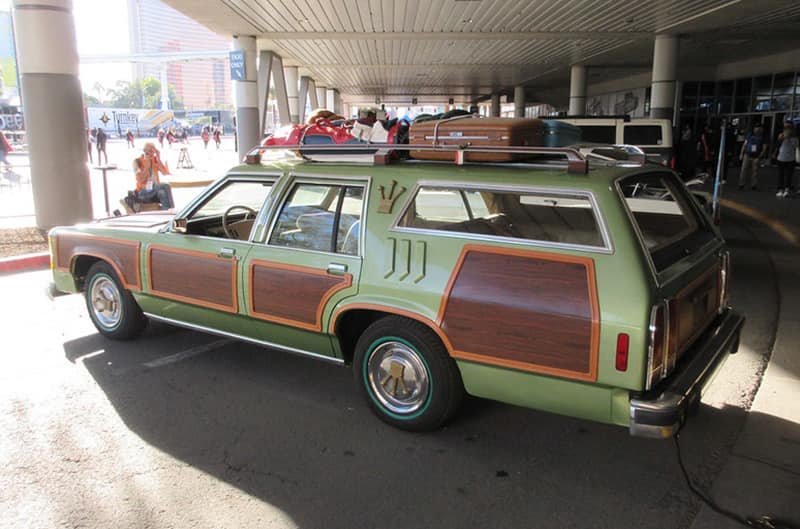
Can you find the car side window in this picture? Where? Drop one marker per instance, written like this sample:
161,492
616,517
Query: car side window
230,211
320,217
537,216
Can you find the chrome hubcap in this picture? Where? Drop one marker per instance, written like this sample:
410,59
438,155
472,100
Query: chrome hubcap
398,377
106,302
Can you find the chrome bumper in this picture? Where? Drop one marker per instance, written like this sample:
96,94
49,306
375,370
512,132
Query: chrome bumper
660,413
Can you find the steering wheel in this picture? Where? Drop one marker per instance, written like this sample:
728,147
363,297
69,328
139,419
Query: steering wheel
248,210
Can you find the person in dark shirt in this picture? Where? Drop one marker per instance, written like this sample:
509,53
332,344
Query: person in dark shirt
101,139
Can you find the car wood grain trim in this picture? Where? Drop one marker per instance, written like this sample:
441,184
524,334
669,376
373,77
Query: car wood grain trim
197,278
122,255
290,294
548,322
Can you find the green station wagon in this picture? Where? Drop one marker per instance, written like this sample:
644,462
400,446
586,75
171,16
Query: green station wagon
591,291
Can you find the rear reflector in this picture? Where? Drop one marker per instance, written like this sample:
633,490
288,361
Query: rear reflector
623,340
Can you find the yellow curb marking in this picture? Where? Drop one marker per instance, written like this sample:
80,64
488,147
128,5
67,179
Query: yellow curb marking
785,231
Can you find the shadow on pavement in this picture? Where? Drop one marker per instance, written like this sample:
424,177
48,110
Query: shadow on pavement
292,432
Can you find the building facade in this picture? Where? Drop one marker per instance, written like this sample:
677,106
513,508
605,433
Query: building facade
199,84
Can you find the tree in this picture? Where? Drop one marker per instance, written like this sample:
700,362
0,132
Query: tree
145,93
90,100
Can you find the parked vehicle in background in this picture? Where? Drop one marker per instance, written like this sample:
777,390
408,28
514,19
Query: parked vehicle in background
653,136
594,291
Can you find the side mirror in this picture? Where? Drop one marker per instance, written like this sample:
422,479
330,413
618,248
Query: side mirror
179,225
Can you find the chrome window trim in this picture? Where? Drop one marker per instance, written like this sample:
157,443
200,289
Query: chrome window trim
308,178
607,248
264,343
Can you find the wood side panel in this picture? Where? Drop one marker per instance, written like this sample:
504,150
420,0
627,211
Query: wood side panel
292,295
122,255
525,310
197,278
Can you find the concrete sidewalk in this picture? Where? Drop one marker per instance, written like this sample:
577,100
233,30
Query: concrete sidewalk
762,474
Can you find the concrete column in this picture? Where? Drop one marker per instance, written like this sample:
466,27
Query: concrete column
302,98
495,112
322,96
291,74
54,119
519,101
270,70
245,95
665,66
312,94
333,101
577,90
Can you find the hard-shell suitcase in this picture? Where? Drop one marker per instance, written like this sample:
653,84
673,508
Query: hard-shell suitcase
560,134
478,132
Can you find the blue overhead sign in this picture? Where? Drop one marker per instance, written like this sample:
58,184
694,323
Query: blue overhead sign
238,71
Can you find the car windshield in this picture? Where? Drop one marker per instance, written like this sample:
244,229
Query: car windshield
248,193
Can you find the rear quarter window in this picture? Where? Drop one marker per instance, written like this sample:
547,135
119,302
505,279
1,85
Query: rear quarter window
556,217
643,134
599,133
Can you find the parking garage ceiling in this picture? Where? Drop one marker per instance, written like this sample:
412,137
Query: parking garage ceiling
472,48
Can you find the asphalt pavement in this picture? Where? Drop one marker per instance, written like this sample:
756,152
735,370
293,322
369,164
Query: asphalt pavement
182,429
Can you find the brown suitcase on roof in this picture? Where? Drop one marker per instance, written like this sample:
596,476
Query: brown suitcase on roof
478,132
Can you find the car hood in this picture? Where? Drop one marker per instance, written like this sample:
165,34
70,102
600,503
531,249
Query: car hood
148,220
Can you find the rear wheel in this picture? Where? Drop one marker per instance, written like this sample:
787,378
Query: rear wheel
406,375
112,309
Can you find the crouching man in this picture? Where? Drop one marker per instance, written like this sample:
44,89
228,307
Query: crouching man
149,169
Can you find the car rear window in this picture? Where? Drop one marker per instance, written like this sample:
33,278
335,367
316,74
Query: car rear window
599,133
670,227
537,216
642,134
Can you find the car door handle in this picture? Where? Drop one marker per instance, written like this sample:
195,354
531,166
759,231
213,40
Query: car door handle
337,269
227,253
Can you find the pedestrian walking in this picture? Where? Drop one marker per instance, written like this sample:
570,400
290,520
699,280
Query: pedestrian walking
705,151
786,156
752,151
205,135
129,139
687,153
101,139
218,136
160,136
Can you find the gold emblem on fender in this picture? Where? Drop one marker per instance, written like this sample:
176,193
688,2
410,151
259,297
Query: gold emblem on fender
394,378
387,202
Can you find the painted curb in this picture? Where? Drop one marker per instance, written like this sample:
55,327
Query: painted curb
19,263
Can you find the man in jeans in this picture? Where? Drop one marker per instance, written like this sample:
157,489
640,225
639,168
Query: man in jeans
752,151
148,182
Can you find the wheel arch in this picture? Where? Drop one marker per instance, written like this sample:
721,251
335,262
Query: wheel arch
80,267
349,323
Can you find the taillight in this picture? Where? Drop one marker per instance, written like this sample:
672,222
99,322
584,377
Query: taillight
724,279
657,350
623,343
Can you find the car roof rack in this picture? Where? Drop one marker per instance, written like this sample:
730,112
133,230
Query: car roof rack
381,154
625,117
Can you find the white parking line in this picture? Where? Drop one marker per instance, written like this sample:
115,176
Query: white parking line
188,353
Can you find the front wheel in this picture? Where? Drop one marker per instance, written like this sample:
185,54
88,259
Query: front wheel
111,308
406,375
